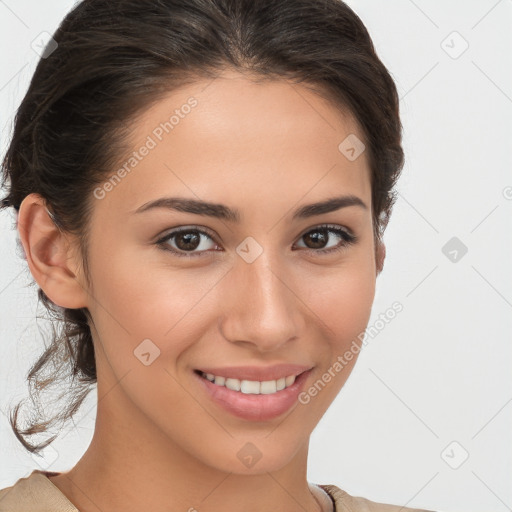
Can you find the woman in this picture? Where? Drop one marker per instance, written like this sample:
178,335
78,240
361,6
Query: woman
201,190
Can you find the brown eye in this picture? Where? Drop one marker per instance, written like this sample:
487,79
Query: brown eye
191,242
187,240
318,239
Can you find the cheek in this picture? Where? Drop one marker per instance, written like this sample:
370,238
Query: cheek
146,321
136,300
343,306
348,306
342,298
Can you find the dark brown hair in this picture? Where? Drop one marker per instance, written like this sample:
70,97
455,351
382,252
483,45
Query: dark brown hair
114,58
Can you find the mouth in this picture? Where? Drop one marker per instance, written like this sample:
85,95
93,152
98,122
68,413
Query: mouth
253,400
251,387
256,373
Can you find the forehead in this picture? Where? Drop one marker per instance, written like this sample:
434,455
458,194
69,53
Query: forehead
217,139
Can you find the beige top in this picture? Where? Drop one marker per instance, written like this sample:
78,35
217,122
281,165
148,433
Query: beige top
37,493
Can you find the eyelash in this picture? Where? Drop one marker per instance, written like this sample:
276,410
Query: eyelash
348,239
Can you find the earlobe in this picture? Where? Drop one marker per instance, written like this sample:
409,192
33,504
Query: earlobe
49,254
380,255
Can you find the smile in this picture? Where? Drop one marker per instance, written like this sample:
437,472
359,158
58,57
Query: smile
251,387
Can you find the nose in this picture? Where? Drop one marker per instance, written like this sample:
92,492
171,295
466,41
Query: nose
260,306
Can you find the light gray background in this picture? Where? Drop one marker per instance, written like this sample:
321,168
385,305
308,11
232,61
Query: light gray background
440,371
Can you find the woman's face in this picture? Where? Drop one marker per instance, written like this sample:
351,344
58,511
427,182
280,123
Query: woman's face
252,291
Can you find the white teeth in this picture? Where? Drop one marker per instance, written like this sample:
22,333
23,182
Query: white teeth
233,384
290,380
252,387
281,383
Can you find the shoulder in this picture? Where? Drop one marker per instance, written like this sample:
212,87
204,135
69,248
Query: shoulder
34,493
344,502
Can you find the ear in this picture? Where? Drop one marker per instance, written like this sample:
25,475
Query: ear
380,255
51,258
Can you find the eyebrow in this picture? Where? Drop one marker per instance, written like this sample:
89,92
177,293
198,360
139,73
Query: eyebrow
223,212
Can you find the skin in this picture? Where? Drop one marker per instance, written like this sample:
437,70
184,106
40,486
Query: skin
160,443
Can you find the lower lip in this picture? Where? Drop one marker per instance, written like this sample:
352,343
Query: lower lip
255,407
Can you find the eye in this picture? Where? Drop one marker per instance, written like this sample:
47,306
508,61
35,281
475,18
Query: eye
322,235
184,241
187,241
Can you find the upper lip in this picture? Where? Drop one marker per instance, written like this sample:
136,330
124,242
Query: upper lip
259,373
